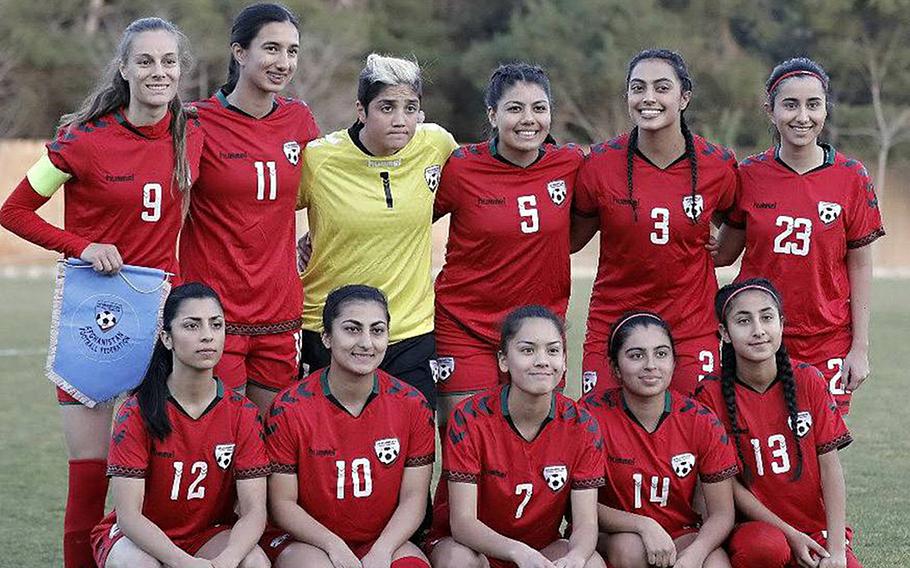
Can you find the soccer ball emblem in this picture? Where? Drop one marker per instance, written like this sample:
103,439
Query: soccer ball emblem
555,476
693,207
803,423
223,455
105,320
558,192
292,152
387,450
445,367
431,174
828,212
683,464
588,381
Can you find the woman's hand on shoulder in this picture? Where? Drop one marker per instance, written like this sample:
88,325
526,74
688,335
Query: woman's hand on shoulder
304,252
104,258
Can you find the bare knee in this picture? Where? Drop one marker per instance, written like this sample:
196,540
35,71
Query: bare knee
625,550
595,561
255,559
299,554
450,554
125,554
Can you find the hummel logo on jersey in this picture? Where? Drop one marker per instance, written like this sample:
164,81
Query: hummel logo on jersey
556,476
431,174
683,464
764,205
588,381
693,207
828,212
558,192
119,179
387,450
803,423
223,455
445,367
292,152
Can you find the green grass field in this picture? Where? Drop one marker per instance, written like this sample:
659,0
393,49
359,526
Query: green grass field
33,462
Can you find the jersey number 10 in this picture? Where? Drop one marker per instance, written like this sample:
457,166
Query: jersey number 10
361,478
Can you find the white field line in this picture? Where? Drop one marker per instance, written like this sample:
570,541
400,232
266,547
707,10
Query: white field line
22,352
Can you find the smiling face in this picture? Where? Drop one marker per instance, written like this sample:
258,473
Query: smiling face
644,362
535,357
799,110
358,337
269,63
152,69
196,337
390,119
655,96
753,325
522,119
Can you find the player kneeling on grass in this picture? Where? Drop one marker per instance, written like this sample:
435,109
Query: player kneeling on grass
184,451
785,426
352,451
515,458
659,445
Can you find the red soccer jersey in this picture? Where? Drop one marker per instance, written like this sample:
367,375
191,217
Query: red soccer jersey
654,473
798,230
240,236
190,477
122,189
349,468
767,442
509,235
657,262
523,487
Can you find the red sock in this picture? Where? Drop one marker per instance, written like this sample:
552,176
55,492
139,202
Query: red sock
84,510
409,562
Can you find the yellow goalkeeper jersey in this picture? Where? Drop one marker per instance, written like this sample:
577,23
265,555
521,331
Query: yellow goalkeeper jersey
370,219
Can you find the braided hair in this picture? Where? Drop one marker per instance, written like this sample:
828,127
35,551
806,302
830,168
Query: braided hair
676,61
728,372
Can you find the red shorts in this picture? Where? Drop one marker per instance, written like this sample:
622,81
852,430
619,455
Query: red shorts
828,359
756,543
275,540
266,361
106,535
695,358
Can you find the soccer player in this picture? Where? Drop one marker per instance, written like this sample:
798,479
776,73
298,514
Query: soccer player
807,216
785,426
509,200
239,237
125,160
515,458
369,192
352,450
652,193
659,445
184,452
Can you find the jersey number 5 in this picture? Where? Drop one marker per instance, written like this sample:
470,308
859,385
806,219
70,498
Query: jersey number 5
527,209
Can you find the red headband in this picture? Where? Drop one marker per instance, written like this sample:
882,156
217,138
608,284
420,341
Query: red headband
795,74
765,289
625,320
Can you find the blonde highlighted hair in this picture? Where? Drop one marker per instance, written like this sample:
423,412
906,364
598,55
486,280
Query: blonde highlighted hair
383,71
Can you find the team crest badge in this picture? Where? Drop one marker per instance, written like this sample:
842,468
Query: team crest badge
683,464
828,212
445,367
224,453
107,314
292,152
588,381
387,450
693,206
803,423
558,192
555,476
431,174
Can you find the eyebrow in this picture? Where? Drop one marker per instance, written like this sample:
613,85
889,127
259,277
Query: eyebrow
537,102
661,79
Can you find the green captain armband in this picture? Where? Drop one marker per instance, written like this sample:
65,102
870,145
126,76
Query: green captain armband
45,178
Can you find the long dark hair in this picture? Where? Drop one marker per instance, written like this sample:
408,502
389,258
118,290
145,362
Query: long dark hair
627,323
113,93
508,75
245,27
728,371
512,323
795,67
152,392
676,61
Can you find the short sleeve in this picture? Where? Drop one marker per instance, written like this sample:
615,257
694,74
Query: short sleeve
251,459
863,217
66,151
307,174
590,470
448,192
461,460
129,452
716,458
422,441
729,185
831,431
585,202
281,437
708,393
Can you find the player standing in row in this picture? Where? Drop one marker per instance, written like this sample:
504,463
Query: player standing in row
658,446
126,159
509,200
652,194
184,452
239,237
369,192
807,215
785,426
352,449
517,459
